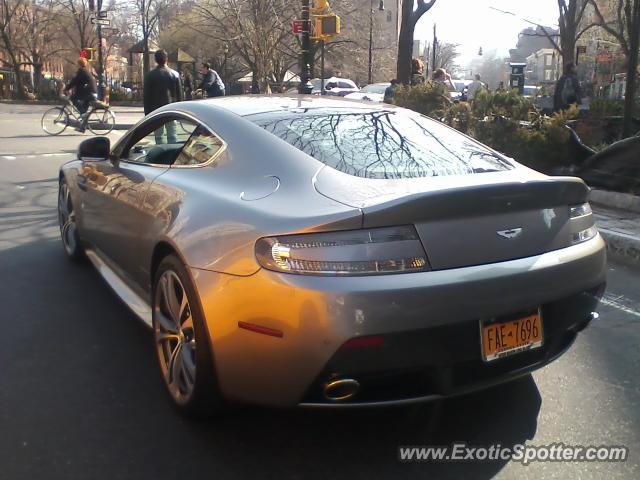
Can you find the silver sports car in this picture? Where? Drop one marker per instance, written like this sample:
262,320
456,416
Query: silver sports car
323,252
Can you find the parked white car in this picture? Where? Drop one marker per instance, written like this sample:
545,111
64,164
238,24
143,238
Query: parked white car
373,92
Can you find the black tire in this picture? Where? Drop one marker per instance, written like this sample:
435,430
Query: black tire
55,121
68,228
202,398
101,121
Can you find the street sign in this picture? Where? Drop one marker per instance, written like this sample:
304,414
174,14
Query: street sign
296,27
103,14
100,21
581,49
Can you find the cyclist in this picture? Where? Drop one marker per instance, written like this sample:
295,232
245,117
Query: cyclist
84,89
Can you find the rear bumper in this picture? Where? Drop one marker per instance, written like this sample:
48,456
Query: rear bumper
429,321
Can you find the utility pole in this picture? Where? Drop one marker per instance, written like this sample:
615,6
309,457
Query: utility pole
100,58
434,48
380,9
305,71
370,78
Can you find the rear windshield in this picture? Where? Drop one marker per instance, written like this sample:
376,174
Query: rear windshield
380,144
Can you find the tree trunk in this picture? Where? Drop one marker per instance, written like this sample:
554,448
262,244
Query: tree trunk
37,77
145,58
632,75
405,45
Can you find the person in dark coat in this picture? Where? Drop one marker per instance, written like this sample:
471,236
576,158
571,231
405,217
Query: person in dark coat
84,87
162,86
211,82
567,90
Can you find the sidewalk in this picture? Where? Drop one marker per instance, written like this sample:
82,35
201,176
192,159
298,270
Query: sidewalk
620,227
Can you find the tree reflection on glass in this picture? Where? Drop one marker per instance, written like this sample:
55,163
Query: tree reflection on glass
380,143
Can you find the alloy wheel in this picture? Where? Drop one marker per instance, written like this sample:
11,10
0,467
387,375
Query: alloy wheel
175,336
67,220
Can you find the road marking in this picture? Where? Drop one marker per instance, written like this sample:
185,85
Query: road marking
55,154
615,302
8,157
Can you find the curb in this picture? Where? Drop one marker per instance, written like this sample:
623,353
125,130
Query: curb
621,201
622,246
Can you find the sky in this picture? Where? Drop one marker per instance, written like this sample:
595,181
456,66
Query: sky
473,24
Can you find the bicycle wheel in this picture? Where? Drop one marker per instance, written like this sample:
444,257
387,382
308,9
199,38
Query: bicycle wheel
55,120
101,121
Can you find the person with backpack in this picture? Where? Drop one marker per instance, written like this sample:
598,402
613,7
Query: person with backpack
567,90
211,82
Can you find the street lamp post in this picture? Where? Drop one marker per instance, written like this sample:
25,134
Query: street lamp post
380,9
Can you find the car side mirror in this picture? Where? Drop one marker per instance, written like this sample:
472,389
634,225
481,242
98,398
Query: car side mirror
94,149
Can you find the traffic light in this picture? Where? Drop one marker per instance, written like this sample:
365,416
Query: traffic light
319,6
327,26
87,53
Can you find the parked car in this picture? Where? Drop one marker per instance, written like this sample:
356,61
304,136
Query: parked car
305,251
335,86
461,88
373,92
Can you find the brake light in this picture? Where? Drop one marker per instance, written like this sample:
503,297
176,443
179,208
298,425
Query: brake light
582,223
355,252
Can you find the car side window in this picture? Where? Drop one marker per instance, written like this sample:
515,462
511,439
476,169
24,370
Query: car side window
345,85
161,143
202,147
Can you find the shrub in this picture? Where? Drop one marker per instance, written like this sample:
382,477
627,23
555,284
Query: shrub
423,98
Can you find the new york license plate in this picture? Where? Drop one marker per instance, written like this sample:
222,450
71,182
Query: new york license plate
501,338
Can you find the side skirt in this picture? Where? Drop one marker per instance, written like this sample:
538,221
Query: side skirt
137,304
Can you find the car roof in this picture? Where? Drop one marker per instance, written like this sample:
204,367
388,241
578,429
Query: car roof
244,105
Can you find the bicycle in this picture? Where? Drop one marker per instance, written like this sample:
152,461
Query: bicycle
98,118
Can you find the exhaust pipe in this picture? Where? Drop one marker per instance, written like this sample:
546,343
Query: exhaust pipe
341,390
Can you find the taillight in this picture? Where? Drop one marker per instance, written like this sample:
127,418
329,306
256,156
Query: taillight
354,252
582,223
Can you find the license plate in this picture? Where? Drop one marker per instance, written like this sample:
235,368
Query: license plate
505,337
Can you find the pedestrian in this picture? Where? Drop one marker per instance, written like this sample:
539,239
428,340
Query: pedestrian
211,82
441,81
84,88
474,87
162,86
567,90
501,86
417,72
188,84
390,91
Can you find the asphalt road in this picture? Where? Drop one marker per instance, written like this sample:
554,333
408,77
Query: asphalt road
81,396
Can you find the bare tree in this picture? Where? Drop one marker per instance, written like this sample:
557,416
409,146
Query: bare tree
409,18
258,31
75,23
40,37
624,26
149,12
10,36
571,14
446,55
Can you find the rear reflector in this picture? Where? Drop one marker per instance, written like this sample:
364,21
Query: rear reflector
260,329
359,343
